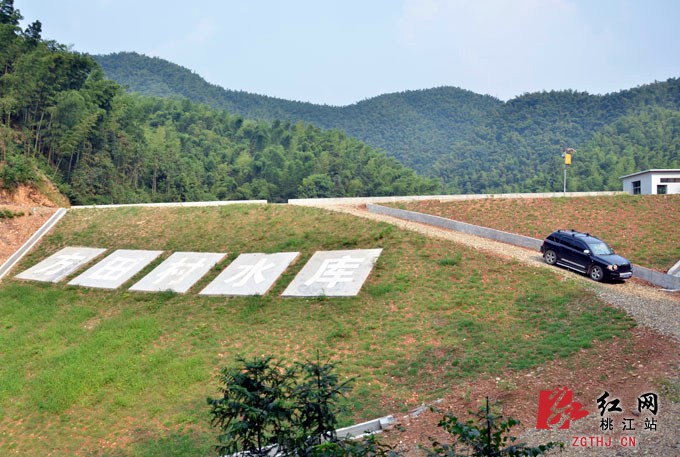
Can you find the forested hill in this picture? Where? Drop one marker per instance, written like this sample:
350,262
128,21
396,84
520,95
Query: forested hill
60,118
474,143
614,134
414,126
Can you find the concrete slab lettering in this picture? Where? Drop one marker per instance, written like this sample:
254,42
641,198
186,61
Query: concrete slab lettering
60,264
333,273
115,269
250,274
178,272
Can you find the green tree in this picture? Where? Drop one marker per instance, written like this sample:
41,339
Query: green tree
32,33
267,407
254,412
9,15
316,396
17,170
316,186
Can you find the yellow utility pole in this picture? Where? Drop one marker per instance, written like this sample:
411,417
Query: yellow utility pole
566,154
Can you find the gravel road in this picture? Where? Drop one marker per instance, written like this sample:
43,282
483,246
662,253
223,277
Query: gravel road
648,305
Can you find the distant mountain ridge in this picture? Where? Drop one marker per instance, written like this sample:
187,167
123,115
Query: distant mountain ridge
474,143
426,120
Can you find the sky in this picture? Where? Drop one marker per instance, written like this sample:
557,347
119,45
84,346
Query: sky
339,52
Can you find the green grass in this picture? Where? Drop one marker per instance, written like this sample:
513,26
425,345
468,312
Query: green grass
119,373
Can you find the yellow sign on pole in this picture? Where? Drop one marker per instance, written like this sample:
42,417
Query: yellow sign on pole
567,159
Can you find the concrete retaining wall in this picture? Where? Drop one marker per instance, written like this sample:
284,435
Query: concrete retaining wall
362,200
498,235
655,277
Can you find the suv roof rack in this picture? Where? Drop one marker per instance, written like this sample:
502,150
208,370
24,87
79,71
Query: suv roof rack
573,232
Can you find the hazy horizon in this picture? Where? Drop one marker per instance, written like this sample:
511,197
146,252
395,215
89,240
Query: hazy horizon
340,53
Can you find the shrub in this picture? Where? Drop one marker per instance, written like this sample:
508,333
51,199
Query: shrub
17,170
9,214
485,436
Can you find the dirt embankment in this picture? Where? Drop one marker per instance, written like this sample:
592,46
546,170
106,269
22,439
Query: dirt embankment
22,212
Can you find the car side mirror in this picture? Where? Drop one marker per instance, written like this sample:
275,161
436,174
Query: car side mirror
586,252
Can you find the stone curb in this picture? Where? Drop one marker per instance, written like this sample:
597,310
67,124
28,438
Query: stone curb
352,432
652,276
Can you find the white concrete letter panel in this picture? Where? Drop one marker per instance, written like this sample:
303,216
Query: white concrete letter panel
333,273
178,272
327,273
251,274
115,269
60,264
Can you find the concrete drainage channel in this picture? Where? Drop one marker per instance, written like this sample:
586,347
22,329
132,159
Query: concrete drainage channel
32,241
366,428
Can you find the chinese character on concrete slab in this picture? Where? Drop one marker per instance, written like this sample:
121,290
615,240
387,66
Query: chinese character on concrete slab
60,264
178,272
115,269
250,274
333,273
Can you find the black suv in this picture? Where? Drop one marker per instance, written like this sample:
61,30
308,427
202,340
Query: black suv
586,254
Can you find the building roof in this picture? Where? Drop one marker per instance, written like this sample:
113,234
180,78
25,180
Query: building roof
654,170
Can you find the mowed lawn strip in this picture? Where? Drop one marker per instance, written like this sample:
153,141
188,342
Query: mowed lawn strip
93,372
642,228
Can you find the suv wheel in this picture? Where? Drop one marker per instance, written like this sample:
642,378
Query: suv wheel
596,273
550,257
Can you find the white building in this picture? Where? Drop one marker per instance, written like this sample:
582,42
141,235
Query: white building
652,182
